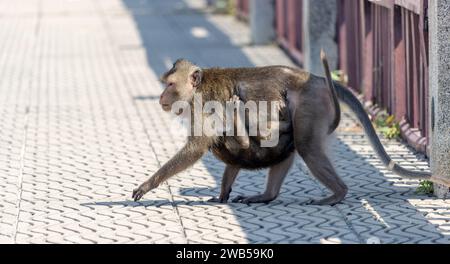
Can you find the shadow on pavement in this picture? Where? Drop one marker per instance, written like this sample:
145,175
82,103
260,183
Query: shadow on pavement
145,203
171,30
145,98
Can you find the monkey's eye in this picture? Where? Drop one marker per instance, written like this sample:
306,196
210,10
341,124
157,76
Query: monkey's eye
171,84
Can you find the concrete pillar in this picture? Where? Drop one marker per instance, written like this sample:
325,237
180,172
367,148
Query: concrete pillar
319,26
439,26
262,21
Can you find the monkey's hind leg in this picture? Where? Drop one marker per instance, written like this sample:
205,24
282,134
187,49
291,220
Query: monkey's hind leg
228,178
322,169
309,142
275,179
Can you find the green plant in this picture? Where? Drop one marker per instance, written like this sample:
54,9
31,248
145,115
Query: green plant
336,75
386,124
224,7
425,188
339,76
392,131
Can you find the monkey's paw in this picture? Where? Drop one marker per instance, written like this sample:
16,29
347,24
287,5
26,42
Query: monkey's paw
331,201
137,194
218,200
253,199
235,99
141,191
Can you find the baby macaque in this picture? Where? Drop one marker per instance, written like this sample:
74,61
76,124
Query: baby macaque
283,124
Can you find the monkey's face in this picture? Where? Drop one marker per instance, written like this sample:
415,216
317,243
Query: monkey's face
180,84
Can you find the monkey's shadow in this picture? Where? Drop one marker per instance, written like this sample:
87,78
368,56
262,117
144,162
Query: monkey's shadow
240,190
146,98
145,203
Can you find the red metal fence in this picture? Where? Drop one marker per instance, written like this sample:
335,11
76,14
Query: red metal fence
243,9
383,49
289,26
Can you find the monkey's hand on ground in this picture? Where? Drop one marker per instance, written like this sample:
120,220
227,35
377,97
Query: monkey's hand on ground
224,195
218,200
144,188
222,199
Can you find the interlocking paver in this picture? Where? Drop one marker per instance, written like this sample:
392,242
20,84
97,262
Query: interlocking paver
81,127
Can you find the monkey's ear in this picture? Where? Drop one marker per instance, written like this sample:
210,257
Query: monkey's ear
196,78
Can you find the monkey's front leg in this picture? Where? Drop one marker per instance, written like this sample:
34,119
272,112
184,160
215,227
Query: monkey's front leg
276,177
186,157
228,178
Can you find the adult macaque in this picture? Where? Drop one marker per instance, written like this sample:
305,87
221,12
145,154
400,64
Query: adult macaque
314,114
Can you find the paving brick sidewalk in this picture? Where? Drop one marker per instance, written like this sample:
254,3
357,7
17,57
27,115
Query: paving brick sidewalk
81,127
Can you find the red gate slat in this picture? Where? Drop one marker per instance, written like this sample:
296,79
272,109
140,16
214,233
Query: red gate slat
389,58
368,58
289,27
382,48
400,66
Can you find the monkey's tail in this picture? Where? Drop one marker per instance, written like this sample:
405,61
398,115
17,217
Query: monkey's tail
355,105
337,107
